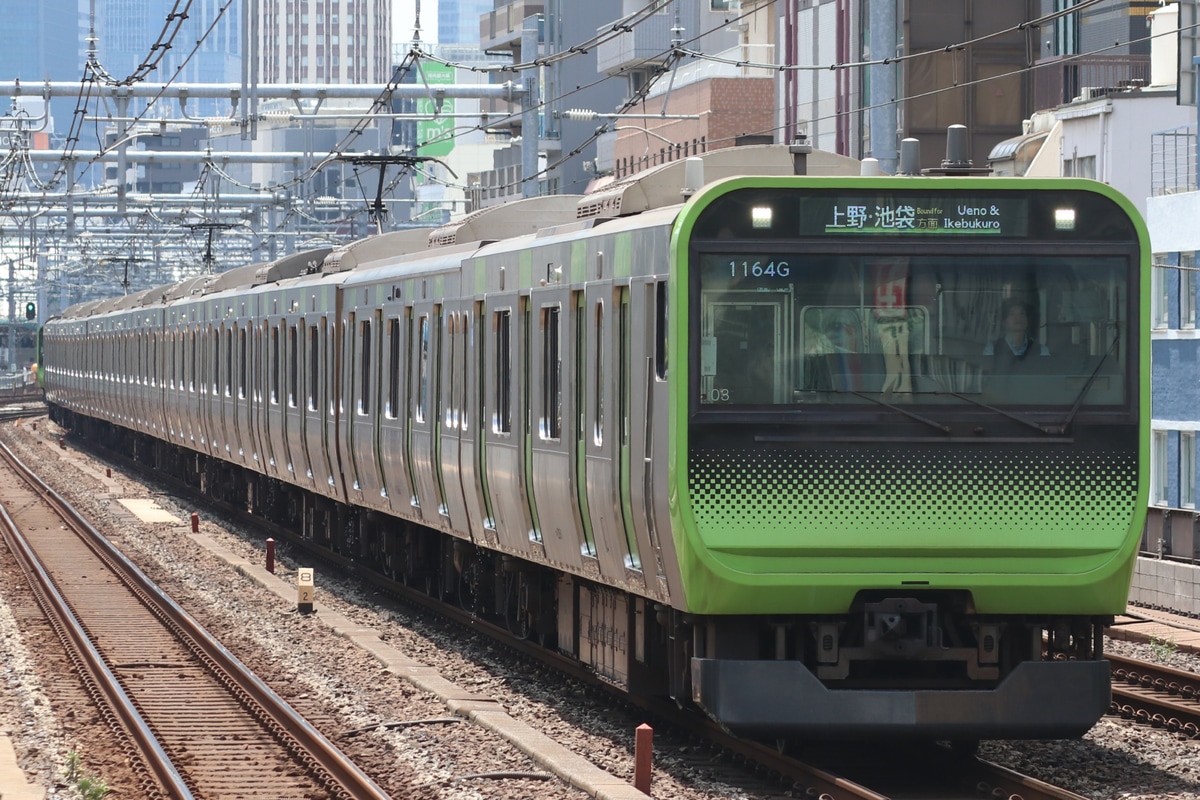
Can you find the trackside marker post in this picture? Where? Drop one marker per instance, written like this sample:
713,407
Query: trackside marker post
305,589
195,522
271,555
643,755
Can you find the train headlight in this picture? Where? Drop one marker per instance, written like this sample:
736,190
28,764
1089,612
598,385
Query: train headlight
1064,219
760,216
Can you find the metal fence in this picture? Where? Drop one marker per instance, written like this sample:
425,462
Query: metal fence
1173,161
1061,79
1172,533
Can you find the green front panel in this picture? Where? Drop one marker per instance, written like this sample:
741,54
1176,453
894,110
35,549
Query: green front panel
768,519
912,508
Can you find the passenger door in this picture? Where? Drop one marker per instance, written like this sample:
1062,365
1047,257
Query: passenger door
554,419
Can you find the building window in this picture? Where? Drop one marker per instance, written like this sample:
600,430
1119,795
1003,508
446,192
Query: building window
1158,468
1187,290
1160,311
1187,469
1080,167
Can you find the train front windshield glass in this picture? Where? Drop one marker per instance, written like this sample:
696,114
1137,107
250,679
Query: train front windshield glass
976,327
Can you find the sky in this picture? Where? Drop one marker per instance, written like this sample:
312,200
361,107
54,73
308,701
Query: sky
404,14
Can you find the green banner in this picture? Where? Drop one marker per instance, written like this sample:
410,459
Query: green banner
436,131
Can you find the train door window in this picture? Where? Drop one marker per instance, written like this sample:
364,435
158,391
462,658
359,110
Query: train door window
623,366
215,367
314,343
551,420
274,365
293,365
364,367
503,419
228,362
598,386
660,339
243,363
192,359
450,418
422,367
392,411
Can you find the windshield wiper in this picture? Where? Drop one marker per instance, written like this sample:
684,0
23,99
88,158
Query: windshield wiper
931,423
1062,428
1014,417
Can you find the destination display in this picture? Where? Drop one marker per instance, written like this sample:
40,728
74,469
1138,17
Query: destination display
914,215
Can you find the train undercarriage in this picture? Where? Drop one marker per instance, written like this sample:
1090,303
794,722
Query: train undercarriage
919,663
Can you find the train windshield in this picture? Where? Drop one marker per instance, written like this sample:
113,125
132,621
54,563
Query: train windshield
978,327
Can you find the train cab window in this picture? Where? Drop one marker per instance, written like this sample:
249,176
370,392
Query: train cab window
293,365
364,367
997,327
393,376
551,379
502,422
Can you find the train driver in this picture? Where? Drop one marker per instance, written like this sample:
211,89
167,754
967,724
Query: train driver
1015,347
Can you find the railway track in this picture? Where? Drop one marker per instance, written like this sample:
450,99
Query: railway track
1156,695
193,719
826,774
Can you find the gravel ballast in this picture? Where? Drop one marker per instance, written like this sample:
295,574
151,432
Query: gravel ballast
341,688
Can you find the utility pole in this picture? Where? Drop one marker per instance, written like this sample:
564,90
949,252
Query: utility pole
377,209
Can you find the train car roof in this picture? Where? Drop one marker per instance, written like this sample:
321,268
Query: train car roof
186,288
80,309
660,186
136,299
376,248
511,219
294,265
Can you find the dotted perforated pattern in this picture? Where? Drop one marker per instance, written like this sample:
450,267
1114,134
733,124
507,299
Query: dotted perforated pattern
826,490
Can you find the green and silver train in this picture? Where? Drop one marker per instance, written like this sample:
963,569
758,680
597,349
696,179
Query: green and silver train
824,455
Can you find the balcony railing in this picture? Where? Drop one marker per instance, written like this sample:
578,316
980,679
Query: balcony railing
1061,79
1173,161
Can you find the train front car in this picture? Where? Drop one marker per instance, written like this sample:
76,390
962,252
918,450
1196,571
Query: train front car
909,466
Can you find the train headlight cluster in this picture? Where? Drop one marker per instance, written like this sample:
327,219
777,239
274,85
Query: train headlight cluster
760,216
1064,219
